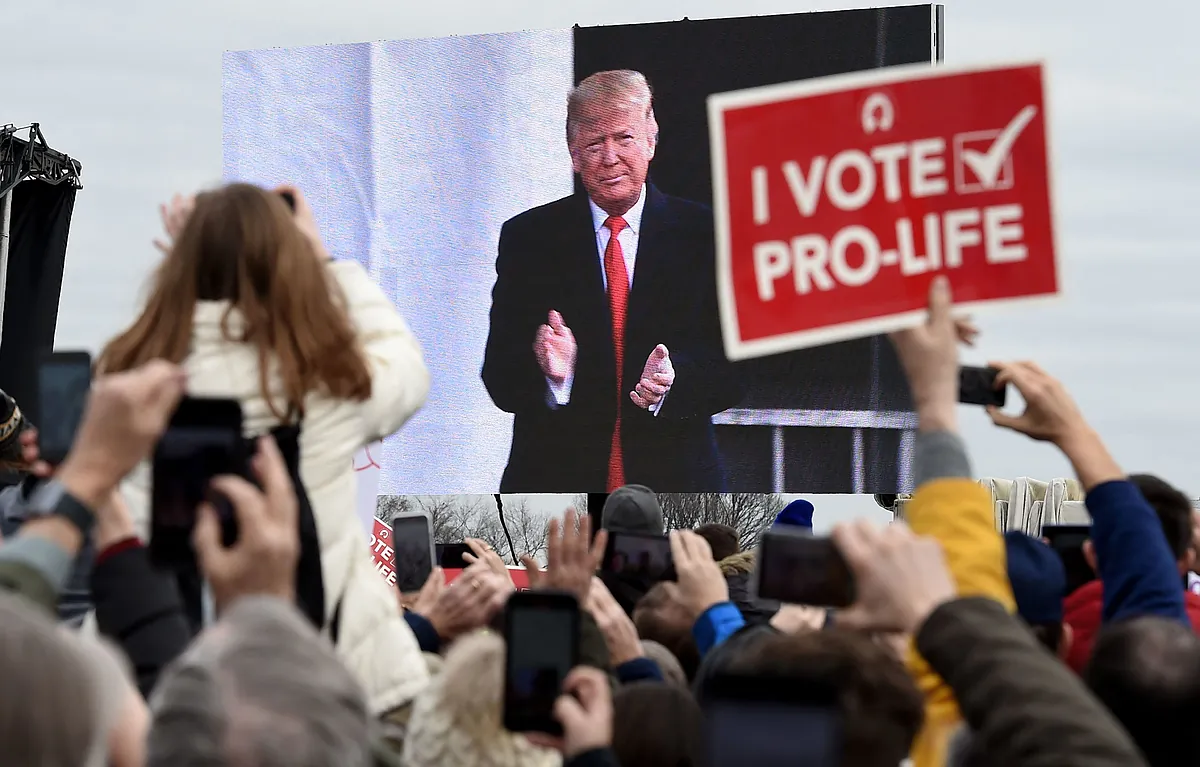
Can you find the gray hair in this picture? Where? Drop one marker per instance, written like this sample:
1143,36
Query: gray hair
259,689
62,695
608,89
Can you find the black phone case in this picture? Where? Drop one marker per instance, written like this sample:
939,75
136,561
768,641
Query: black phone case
977,386
518,719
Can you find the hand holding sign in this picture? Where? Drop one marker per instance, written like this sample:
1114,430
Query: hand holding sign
554,348
658,376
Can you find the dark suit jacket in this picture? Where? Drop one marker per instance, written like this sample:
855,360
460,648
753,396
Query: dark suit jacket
548,260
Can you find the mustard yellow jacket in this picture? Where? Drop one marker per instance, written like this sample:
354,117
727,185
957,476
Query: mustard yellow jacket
959,514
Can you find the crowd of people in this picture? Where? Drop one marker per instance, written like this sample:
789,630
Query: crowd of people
961,647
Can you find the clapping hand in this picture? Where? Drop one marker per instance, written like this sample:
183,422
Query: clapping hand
554,348
658,376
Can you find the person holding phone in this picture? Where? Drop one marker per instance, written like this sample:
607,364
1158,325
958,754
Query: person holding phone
251,304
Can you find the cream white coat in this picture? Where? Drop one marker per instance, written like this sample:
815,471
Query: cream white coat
374,640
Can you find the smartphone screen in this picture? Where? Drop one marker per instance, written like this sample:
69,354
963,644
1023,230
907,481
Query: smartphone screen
541,630
977,386
1067,541
412,544
450,555
64,380
644,556
203,440
768,723
799,568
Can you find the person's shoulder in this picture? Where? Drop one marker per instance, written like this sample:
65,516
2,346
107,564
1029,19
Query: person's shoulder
684,209
543,215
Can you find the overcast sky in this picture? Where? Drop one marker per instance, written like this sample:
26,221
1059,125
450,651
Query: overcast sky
132,88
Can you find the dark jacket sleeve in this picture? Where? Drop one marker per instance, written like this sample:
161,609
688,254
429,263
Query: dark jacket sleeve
423,630
597,757
1139,573
140,608
510,370
1024,707
638,670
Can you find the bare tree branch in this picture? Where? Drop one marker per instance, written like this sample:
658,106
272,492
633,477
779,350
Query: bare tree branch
747,513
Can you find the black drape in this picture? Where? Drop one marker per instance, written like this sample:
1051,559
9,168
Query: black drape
41,219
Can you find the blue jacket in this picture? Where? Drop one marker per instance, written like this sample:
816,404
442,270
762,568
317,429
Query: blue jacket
1139,573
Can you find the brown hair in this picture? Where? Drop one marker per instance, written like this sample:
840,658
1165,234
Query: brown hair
661,617
881,707
722,539
657,725
241,244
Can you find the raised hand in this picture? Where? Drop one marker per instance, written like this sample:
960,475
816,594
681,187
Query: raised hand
572,556
306,222
900,577
619,632
263,559
554,347
174,217
701,584
658,376
1050,413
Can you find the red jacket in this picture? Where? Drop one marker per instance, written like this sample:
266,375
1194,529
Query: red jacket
1083,611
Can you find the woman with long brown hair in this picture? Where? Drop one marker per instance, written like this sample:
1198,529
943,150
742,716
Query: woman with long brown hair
248,301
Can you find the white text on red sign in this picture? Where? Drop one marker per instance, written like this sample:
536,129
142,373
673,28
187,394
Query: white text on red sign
851,179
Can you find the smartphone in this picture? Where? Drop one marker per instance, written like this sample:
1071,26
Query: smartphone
412,544
202,440
977,386
541,634
644,556
1067,541
796,567
64,380
745,717
450,555
289,199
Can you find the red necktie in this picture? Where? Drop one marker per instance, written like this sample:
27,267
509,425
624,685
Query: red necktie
618,297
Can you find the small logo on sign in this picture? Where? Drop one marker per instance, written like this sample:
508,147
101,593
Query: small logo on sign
983,159
878,114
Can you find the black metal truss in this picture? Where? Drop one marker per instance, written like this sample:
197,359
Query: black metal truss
31,159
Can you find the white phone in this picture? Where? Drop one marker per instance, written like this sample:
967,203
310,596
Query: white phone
412,544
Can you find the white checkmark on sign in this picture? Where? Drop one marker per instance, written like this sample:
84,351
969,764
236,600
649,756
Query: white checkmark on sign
987,165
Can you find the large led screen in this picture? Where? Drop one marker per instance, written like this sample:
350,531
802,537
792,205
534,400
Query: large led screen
538,206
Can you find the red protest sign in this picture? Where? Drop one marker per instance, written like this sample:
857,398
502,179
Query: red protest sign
382,553
517,575
837,200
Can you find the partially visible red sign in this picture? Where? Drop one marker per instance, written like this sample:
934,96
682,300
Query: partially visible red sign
382,553
838,199
520,578
384,558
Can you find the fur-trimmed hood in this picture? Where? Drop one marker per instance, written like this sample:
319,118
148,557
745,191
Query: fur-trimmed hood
741,563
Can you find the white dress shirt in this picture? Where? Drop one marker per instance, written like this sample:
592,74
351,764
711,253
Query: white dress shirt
559,394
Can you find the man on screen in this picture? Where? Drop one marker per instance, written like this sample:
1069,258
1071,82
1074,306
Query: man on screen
605,342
